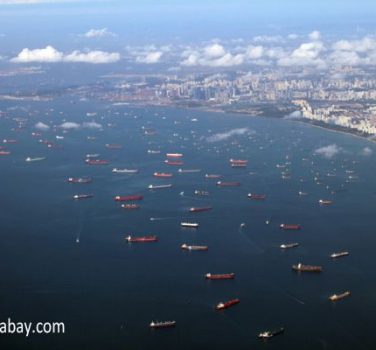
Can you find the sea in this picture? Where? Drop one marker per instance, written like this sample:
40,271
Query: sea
65,260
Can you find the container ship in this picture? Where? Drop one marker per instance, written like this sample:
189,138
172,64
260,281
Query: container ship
130,206
163,324
96,161
157,187
339,254
163,175
189,224
288,245
173,162
142,239
199,209
256,196
212,176
82,196
290,226
228,183
194,247
227,304
174,155
222,276
271,334
306,268
325,202
79,180
135,197
124,171
336,297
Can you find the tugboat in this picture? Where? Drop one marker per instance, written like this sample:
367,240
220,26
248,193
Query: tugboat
336,297
306,268
271,334
163,324
227,304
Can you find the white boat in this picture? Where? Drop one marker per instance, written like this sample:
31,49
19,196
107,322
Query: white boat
29,159
124,171
189,224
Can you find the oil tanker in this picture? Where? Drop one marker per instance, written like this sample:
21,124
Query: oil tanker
227,304
290,226
199,209
306,268
136,197
142,239
222,276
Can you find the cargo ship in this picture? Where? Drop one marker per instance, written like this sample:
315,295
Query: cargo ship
92,155
306,268
4,153
79,180
9,141
339,254
290,226
325,202
271,334
194,247
124,171
187,171
238,165
82,196
222,276
130,206
113,146
163,324
256,196
136,197
173,162
163,175
201,193
336,297
228,183
212,176
199,209
189,224
96,161
152,151
35,159
238,161
157,187
227,304
174,155
143,239
288,245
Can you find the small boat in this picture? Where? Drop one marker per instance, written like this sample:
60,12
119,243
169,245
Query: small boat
82,196
143,239
163,175
325,202
336,297
189,224
222,276
35,159
271,334
194,247
164,324
228,183
227,304
212,176
199,209
158,187
130,206
306,268
301,193
339,254
256,196
187,171
79,180
124,171
135,197
288,245
174,155
290,226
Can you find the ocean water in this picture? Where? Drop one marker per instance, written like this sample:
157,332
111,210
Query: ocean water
66,260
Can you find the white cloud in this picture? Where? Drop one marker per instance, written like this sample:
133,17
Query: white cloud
92,125
98,33
50,55
226,135
328,151
366,151
42,126
255,52
76,126
315,35
293,115
214,51
307,54
150,57
69,126
292,36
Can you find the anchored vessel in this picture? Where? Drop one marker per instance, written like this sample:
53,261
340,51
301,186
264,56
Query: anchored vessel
194,247
223,276
156,187
339,254
173,162
142,239
228,183
306,268
325,202
79,180
336,297
227,304
256,196
289,245
174,155
96,161
189,224
136,197
163,324
201,193
82,196
29,159
130,206
124,171
199,209
271,334
113,146
156,174
182,171
212,176
290,226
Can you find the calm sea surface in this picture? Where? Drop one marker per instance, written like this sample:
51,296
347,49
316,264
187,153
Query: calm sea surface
66,260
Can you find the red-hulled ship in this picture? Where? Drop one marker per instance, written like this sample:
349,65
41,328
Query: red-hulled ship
228,183
135,197
143,239
168,175
4,153
199,209
79,180
290,226
173,162
223,276
256,196
227,304
96,161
